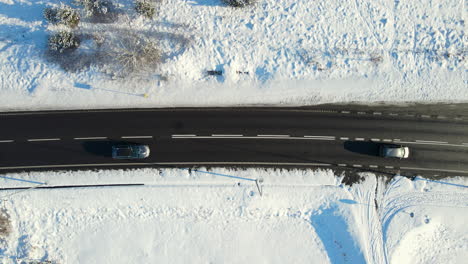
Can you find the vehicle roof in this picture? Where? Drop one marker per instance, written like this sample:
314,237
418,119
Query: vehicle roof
124,151
394,151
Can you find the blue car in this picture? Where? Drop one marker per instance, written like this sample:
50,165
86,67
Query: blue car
130,151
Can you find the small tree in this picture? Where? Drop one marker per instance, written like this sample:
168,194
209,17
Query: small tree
239,3
136,54
64,15
63,41
69,16
145,8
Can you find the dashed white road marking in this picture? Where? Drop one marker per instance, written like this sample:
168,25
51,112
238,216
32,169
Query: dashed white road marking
137,137
320,137
375,139
357,165
43,139
345,112
89,138
373,166
377,113
344,138
396,139
221,135
6,141
393,114
330,139
389,167
425,116
386,140
272,135
184,135
342,165
359,139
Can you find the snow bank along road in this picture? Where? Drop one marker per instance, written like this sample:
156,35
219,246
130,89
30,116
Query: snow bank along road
237,137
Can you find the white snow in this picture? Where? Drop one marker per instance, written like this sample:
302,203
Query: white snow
180,216
297,52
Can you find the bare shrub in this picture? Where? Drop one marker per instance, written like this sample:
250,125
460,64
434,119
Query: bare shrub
5,223
145,8
239,3
95,7
64,15
78,60
99,11
118,53
63,41
135,53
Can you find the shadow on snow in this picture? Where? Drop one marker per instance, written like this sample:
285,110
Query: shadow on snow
332,229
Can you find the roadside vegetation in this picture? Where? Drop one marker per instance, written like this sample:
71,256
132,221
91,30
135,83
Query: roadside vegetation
63,41
5,224
145,8
239,3
99,11
116,52
89,34
62,15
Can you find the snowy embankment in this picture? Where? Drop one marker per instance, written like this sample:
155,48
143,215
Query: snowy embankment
181,216
278,52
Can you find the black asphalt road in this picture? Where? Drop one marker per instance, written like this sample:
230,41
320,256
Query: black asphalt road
298,137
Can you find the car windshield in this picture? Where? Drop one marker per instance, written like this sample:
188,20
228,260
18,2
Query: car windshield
139,149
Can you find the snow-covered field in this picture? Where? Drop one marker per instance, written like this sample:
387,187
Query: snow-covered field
278,52
193,217
296,52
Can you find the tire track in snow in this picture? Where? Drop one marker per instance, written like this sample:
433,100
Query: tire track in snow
372,243
392,203
439,199
358,10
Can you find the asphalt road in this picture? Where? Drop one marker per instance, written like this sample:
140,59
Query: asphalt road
338,139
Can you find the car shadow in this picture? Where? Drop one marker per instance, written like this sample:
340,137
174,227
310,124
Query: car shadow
363,147
103,148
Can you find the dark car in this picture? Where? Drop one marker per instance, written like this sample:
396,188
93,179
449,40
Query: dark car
393,151
130,151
